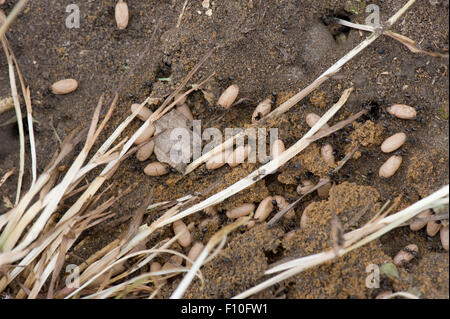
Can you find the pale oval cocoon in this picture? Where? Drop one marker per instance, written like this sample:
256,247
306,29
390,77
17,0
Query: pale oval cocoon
176,260
261,110
444,237
282,203
264,209
393,142
143,114
240,211
419,221
384,294
194,252
239,155
406,254
228,96
433,227
402,111
303,220
216,161
277,148
250,224
64,86
156,169
211,210
122,14
213,221
389,167
2,17
145,151
186,111
326,152
185,238
324,190
305,187
168,266
290,235
146,134
312,119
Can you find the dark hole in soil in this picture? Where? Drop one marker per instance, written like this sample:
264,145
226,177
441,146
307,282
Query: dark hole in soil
335,28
